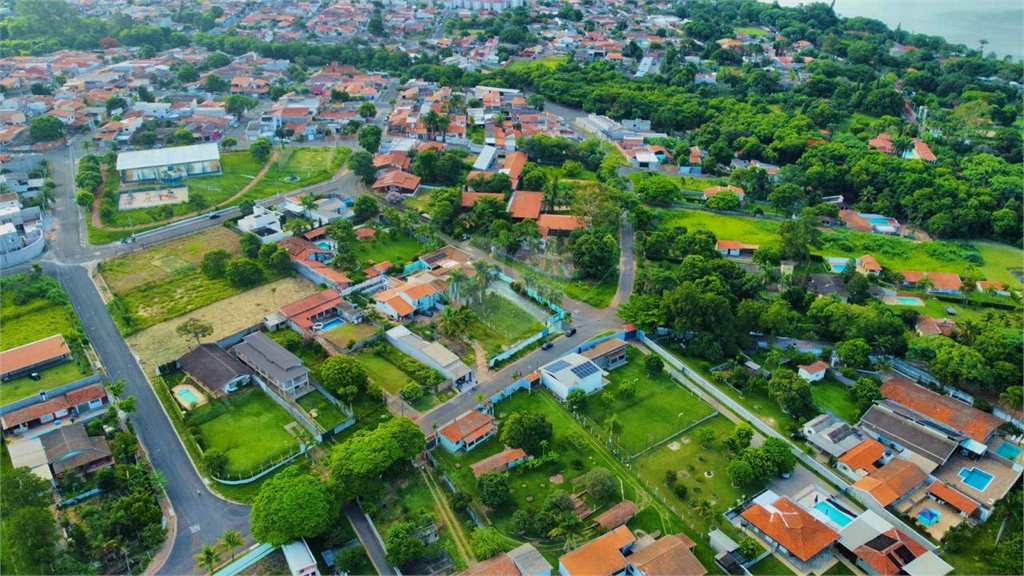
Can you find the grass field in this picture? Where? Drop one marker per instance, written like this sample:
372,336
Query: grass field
499,323
419,203
161,262
660,408
400,250
752,31
162,301
348,331
24,324
297,168
594,293
381,372
327,414
159,343
50,378
836,398
770,566
248,427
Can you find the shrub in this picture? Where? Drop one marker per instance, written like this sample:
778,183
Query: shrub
680,490
214,461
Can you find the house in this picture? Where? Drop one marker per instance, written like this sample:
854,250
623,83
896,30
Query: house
432,354
813,372
617,515
169,165
392,161
692,163
608,354
867,265
558,224
734,248
523,561
928,326
716,190
70,448
419,293
264,223
572,372
469,199
942,492
300,559
513,168
825,285
322,311
873,223
397,181
987,286
273,365
920,151
929,447
789,529
467,432
214,369
948,283
620,552
863,459
877,548
445,260
37,355
946,410
892,482
883,143
75,403
505,460
525,205
831,435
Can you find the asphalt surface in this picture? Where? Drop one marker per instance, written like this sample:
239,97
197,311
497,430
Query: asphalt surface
368,537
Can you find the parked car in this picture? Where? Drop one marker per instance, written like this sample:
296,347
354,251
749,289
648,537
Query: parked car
546,346
798,435
214,216
570,331
950,310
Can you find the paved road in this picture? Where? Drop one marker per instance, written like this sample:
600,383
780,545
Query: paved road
368,536
202,517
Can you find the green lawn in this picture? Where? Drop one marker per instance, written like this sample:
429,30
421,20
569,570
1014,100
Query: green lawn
382,372
50,378
399,249
26,323
248,427
751,31
770,566
190,290
297,168
328,415
499,323
836,398
660,408
975,552
838,569
419,203
725,227
349,331
596,294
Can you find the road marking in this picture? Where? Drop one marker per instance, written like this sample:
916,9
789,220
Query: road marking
194,528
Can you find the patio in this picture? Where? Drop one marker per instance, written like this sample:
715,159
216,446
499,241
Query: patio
919,501
1003,477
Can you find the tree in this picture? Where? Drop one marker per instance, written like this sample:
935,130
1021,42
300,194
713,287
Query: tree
791,393
367,110
280,262
23,489
231,541
46,128
214,461
291,505
85,198
357,464
250,245
600,484
1012,397
854,353
187,73
361,163
267,252
29,540
535,101
228,144
260,149
526,431
369,137
402,544
865,392
237,104
740,437
243,272
522,521
797,237
787,199
366,207
595,257
183,136
209,558
705,437
486,542
246,207
214,263
214,83
494,490
115,103
194,328
654,365
658,189
740,473
724,201
340,372
780,454
750,548
576,400
375,25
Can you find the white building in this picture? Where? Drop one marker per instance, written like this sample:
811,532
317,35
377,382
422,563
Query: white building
432,354
572,372
265,223
300,558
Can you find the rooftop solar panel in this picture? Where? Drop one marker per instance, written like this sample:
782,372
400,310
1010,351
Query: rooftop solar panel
584,370
558,366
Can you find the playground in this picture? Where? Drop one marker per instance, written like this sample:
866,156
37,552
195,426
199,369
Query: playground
151,198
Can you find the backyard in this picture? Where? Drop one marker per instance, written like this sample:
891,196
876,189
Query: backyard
297,168
327,414
836,398
350,332
50,378
498,324
248,427
660,408
396,248
37,319
124,273
386,373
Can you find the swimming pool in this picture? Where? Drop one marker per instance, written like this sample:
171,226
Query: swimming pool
833,514
187,396
325,245
330,324
909,301
977,479
877,220
1008,451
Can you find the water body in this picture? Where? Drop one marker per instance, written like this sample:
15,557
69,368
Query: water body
1001,22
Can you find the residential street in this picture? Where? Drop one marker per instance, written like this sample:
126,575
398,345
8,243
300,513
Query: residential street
371,543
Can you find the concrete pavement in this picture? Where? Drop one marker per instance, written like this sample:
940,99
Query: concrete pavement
369,538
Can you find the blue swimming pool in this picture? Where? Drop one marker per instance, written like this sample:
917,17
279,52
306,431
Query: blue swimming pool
977,479
331,324
325,245
909,301
833,514
1008,451
187,396
877,220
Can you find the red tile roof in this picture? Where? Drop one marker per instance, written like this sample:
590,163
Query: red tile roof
715,190
864,455
562,222
617,515
815,368
728,245
513,166
397,178
498,462
601,556
33,354
887,562
869,263
913,276
892,481
526,204
471,198
945,409
472,426
945,280
953,497
65,402
792,527
365,234
670,555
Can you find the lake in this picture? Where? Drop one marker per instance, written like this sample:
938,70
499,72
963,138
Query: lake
1001,22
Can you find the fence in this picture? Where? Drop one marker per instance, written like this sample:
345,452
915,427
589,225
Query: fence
517,347
52,393
296,411
229,341
264,469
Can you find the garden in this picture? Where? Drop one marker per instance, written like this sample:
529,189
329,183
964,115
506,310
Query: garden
248,428
642,408
327,414
398,373
397,248
498,324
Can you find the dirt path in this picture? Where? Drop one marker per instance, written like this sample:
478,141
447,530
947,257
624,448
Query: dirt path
483,371
449,518
97,223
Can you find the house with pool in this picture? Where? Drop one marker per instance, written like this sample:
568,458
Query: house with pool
321,312
788,529
213,368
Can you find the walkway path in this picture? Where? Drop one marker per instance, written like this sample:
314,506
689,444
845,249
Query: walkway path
369,538
448,517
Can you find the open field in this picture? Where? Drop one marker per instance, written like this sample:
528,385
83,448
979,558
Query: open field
124,273
162,301
836,398
381,372
50,378
499,323
891,252
400,250
158,344
348,331
24,324
752,31
660,408
248,427
327,414
297,168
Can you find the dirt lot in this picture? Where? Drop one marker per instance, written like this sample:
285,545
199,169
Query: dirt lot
124,273
159,344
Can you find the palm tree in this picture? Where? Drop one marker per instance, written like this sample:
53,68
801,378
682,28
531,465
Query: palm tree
702,507
569,527
46,196
613,424
968,331
208,559
1008,507
309,203
457,278
232,540
1012,398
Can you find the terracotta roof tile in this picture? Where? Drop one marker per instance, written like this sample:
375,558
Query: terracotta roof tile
792,527
892,481
33,354
599,557
864,455
467,426
953,497
945,409
526,204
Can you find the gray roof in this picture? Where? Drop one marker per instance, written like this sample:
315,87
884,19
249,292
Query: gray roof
167,156
928,564
211,366
827,285
832,435
908,434
262,353
529,561
863,528
432,353
69,447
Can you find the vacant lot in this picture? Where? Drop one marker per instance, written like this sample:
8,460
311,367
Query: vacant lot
161,301
248,427
50,378
24,324
499,324
397,248
124,273
327,414
836,398
660,408
348,332
297,168
159,343
382,372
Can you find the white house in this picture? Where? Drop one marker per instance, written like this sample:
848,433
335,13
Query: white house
813,372
571,372
265,223
300,558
